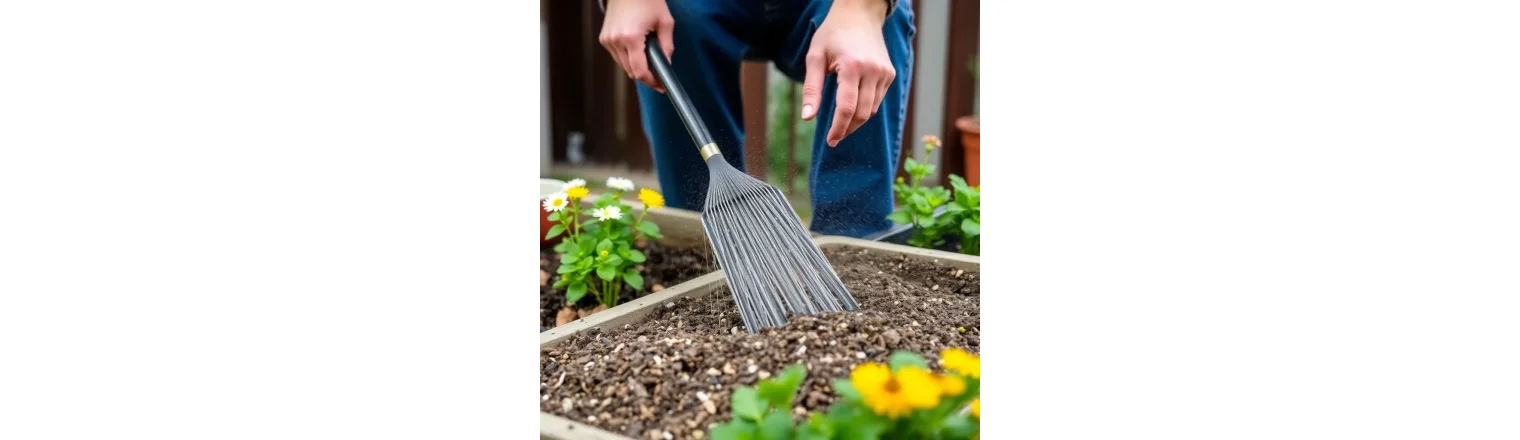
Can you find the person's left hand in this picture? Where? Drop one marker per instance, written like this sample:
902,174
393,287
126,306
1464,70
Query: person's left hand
849,42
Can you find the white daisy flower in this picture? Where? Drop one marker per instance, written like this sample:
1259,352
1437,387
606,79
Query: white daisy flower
575,183
619,183
608,213
556,202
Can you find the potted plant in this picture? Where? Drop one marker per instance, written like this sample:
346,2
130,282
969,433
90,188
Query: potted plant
970,127
655,248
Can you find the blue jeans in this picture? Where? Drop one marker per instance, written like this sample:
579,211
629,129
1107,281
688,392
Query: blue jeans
852,182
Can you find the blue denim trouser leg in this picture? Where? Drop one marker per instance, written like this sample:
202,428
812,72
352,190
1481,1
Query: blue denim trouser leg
851,183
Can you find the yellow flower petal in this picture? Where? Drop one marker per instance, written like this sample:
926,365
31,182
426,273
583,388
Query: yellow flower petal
951,386
976,408
577,192
960,361
651,199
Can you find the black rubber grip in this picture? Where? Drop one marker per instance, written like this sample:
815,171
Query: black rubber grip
667,77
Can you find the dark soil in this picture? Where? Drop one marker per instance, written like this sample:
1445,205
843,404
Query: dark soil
674,371
664,266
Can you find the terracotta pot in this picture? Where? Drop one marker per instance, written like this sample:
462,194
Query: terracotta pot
971,141
545,188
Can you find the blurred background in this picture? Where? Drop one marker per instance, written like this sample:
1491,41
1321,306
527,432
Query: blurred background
591,129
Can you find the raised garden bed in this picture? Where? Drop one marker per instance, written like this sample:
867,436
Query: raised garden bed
681,256
667,362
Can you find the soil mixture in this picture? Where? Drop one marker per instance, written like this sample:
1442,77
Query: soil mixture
672,374
663,267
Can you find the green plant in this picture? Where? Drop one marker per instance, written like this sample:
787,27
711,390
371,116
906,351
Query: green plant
965,211
917,205
903,400
598,256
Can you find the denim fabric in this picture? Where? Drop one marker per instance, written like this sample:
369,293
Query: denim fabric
851,183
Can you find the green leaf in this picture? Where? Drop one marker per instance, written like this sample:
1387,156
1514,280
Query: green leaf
569,258
576,292
733,430
605,272
561,282
899,217
614,261
554,231
863,428
960,426
818,428
971,227
650,228
605,245
846,389
566,268
554,216
782,389
746,403
634,280
920,203
902,358
776,426
636,256
925,221
586,246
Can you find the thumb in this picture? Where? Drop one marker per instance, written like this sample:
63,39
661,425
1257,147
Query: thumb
812,85
665,30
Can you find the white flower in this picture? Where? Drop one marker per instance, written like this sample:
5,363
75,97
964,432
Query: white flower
619,183
608,213
575,183
555,202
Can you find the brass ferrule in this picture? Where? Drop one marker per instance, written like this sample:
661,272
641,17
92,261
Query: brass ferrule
709,150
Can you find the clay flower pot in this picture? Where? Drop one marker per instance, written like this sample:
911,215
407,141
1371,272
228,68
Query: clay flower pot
971,140
545,188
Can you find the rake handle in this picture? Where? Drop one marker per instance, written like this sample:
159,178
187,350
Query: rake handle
667,77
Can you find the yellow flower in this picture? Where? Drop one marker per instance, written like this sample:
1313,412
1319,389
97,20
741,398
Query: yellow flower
960,361
603,254
950,386
976,408
651,198
577,192
895,395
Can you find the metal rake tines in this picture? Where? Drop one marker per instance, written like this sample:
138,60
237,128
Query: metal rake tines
772,266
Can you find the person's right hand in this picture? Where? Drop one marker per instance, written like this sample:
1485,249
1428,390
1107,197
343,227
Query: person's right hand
627,24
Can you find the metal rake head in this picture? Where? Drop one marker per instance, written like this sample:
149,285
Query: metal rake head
770,262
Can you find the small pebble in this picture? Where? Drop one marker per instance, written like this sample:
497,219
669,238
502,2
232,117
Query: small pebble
714,372
765,374
702,396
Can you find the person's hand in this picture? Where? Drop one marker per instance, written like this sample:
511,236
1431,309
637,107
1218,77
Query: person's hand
849,42
627,24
